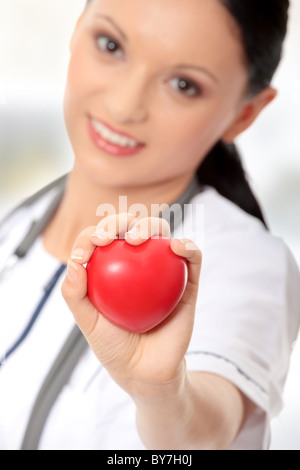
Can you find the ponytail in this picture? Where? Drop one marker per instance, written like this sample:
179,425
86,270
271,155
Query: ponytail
263,27
223,170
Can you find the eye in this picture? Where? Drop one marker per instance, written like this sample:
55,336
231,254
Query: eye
108,45
185,86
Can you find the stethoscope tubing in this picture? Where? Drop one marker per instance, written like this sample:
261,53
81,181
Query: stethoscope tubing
47,292
33,233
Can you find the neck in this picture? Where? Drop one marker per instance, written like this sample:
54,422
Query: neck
84,195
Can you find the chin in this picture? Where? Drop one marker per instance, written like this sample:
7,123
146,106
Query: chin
106,175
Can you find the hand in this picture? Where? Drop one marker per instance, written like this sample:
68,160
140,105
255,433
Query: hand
142,364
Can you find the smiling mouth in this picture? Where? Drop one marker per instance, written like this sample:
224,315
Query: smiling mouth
113,137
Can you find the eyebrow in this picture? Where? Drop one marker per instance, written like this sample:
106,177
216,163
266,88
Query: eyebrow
111,21
201,69
180,66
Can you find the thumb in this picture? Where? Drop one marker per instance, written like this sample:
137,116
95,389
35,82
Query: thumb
74,291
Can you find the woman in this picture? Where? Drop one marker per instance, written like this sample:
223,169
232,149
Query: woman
156,94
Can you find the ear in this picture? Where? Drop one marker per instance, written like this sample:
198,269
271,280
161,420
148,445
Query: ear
249,112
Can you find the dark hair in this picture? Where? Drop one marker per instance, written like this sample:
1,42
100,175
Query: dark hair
263,27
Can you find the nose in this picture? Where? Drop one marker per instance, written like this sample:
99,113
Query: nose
125,98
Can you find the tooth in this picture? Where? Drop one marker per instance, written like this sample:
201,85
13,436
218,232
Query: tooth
106,134
131,144
124,142
119,140
112,137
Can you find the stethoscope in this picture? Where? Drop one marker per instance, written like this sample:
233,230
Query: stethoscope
19,253
36,227
74,346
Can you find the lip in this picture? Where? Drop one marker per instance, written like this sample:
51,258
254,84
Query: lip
116,131
109,147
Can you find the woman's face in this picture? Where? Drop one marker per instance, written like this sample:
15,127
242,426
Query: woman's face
170,74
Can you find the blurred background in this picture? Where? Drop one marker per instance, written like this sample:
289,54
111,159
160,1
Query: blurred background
34,148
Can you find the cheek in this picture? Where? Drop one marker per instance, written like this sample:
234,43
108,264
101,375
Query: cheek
84,79
73,90
77,79
80,98
189,139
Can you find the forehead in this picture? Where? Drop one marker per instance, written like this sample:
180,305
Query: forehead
174,25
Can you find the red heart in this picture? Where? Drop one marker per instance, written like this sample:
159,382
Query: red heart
136,287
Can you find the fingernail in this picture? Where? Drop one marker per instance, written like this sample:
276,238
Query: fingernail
189,245
134,232
72,271
100,233
135,229
78,254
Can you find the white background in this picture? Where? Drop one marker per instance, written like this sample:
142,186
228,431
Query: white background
34,149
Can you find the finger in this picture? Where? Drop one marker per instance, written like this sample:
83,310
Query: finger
83,247
74,291
146,228
112,227
100,235
191,252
